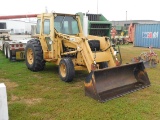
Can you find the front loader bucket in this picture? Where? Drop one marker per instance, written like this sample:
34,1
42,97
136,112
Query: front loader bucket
109,83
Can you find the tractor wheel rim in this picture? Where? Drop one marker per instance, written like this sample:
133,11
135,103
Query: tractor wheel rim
30,56
63,70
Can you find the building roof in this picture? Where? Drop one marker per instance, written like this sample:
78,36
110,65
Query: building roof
126,23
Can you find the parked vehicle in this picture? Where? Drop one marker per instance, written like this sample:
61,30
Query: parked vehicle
13,48
119,35
60,40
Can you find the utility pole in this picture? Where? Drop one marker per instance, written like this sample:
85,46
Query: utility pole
46,9
126,15
97,6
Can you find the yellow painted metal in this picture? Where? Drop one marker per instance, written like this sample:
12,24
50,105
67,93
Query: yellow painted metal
63,70
20,55
67,53
30,56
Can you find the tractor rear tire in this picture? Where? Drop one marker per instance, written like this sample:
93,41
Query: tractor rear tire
66,69
34,55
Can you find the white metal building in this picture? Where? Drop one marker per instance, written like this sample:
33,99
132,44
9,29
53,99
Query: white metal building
18,26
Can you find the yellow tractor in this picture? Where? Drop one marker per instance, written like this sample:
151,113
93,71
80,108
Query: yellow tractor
59,39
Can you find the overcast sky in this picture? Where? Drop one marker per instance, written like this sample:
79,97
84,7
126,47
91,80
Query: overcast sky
111,9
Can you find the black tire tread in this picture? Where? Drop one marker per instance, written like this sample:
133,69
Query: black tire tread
39,63
70,69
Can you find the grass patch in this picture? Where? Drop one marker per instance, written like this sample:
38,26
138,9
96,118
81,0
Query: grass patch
42,95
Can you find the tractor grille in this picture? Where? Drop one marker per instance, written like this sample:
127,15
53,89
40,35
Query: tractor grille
93,17
100,26
98,32
99,29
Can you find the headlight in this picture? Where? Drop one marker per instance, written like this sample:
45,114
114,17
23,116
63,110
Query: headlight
50,42
115,53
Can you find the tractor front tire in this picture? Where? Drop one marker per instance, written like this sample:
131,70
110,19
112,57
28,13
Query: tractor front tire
34,56
66,69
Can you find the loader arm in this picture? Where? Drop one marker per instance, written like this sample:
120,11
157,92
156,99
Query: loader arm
93,57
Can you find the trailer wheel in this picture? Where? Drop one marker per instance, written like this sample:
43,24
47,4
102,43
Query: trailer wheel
9,53
5,50
66,69
126,42
120,42
34,56
103,65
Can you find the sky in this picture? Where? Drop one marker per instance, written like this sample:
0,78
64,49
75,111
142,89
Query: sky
113,10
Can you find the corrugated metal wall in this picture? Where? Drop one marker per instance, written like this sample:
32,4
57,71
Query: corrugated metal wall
147,35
